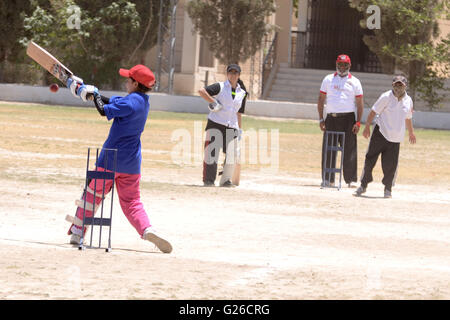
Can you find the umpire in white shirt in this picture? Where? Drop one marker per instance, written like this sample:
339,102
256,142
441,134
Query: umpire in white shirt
226,103
394,110
344,108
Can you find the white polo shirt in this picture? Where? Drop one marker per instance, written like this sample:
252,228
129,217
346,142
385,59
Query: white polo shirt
392,114
341,92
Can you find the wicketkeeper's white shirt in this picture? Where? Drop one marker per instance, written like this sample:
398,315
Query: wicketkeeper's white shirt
392,115
341,92
227,115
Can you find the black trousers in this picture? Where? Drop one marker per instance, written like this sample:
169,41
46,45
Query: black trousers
389,159
217,137
342,123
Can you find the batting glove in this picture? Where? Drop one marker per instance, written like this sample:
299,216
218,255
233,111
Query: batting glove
74,83
215,106
87,92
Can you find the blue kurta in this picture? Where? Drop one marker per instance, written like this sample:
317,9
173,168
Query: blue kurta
130,114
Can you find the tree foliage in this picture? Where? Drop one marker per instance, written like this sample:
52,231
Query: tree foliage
407,41
11,28
233,29
109,35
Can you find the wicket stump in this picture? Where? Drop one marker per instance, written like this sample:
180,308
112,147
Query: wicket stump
98,176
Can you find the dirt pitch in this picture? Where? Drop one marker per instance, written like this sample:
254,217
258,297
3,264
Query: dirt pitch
277,236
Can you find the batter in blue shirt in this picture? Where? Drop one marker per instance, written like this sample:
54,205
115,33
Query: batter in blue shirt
129,115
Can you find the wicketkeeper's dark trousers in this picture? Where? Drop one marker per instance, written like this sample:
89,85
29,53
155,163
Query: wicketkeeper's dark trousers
389,159
218,137
342,122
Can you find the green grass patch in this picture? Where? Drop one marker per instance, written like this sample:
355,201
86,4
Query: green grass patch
64,130
89,115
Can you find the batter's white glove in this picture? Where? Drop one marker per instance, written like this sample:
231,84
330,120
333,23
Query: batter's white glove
87,92
215,106
73,83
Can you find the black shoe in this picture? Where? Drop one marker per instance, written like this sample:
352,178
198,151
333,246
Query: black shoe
227,184
359,191
208,184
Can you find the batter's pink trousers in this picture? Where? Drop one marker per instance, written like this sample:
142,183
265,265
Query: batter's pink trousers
127,187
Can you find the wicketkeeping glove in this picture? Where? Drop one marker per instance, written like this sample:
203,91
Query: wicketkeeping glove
215,106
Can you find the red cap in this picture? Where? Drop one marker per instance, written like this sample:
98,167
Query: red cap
343,58
141,74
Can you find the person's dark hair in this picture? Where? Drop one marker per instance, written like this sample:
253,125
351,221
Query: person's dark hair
141,88
241,84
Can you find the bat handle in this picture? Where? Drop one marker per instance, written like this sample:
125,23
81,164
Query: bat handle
90,97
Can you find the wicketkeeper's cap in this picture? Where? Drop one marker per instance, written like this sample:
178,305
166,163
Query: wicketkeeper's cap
401,79
343,58
234,67
141,74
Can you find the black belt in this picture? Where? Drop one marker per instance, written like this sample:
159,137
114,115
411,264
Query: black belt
341,114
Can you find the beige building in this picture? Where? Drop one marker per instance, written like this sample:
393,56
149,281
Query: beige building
308,43
195,65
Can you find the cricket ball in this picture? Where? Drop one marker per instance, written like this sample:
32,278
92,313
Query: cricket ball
54,87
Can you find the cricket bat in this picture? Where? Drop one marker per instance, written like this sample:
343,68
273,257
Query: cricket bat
49,62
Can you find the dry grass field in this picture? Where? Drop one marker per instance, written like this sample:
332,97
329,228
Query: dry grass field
276,236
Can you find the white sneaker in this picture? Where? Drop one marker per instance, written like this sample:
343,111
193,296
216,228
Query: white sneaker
151,235
75,239
75,235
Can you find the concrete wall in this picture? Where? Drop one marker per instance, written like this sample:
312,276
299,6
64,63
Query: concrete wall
194,104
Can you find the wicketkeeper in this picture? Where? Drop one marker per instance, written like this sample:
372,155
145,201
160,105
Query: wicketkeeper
226,104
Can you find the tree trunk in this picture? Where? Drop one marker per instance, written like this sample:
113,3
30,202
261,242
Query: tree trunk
2,70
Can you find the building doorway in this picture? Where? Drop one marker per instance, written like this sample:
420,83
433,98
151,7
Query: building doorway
333,28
